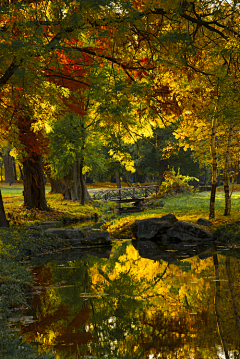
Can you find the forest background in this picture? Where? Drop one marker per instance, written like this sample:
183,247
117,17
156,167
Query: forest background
101,87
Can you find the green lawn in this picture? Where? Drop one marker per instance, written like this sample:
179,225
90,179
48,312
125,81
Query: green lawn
15,189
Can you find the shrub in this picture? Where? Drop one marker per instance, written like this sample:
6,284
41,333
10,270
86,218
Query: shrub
175,183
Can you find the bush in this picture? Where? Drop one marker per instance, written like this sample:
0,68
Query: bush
175,183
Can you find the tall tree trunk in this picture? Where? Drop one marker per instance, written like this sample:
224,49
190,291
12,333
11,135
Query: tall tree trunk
87,197
232,291
82,192
8,165
57,185
34,186
3,220
118,182
225,172
217,306
214,169
67,186
21,172
74,184
14,168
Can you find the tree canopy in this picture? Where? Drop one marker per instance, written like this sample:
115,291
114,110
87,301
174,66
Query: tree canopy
121,70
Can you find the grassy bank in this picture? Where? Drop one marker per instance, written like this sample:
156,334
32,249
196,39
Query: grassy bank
59,210
186,207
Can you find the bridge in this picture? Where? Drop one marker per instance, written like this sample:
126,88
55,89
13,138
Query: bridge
127,194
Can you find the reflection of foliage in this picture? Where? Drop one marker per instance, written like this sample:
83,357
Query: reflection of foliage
131,302
142,290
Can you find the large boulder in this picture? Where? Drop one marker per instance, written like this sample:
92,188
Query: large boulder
152,227
187,232
204,222
168,230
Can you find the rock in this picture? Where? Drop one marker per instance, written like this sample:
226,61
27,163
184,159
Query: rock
35,228
78,237
187,232
134,228
51,224
152,227
170,218
167,230
101,238
65,233
149,229
204,222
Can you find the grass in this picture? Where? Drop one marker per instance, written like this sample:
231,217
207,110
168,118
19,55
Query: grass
186,207
16,189
59,210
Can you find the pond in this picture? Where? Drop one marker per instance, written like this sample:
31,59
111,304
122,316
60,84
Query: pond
119,301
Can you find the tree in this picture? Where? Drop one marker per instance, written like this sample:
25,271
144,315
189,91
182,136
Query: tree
128,47
8,165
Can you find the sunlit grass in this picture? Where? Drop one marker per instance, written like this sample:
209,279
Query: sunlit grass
186,207
16,189
59,210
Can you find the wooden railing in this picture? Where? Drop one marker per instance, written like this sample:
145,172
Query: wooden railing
126,194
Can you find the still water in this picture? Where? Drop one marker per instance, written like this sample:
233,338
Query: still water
118,300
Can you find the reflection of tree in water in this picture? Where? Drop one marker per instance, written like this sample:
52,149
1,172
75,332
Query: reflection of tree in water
226,307
161,308
60,311
133,302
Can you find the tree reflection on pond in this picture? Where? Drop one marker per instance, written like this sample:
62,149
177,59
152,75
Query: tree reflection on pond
184,309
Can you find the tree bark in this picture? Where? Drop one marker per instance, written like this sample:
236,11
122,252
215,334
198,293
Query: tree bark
118,182
3,220
82,192
57,185
8,166
21,172
217,306
75,183
67,186
225,172
214,169
34,186
14,168
74,186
